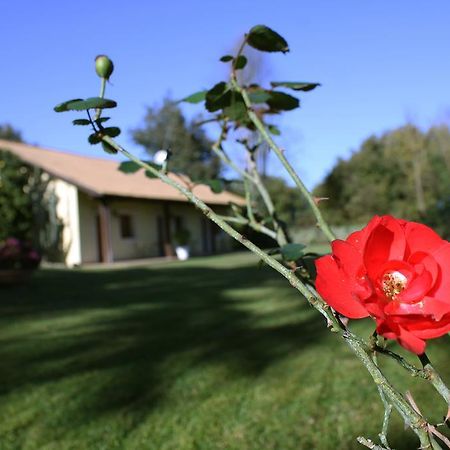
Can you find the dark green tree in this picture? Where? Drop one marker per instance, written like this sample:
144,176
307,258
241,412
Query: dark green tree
27,206
16,215
167,128
404,172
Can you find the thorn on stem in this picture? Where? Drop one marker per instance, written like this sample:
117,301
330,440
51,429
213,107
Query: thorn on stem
317,200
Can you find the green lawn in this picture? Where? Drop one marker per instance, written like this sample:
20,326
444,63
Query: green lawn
214,353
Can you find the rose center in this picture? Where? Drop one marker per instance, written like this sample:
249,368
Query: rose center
393,283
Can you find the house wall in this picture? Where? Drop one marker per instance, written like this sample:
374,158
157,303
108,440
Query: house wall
68,212
143,215
88,207
146,240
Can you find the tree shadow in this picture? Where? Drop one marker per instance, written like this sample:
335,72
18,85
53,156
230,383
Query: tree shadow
134,322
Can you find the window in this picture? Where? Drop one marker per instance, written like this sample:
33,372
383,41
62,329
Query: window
126,226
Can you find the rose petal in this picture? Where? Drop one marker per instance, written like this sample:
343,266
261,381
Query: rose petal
392,330
386,242
441,289
359,238
427,307
427,328
417,288
421,238
428,262
411,342
334,287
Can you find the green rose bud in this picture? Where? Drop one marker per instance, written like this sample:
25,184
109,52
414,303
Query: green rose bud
103,66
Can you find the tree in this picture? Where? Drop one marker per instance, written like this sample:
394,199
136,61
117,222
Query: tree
15,203
166,128
27,206
404,172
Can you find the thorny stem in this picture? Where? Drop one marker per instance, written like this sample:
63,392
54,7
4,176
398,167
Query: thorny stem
418,424
387,412
255,225
281,235
220,152
369,444
266,136
435,379
415,371
411,417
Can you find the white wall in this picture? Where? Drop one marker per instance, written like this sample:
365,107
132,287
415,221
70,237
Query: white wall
79,213
88,207
144,242
67,210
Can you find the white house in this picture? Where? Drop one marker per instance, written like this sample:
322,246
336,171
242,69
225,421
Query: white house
111,216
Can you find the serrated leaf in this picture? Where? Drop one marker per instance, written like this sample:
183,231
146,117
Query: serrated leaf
267,40
129,167
81,122
108,148
226,58
295,85
240,62
62,107
111,131
218,97
292,252
197,97
259,96
90,103
279,101
95,138
274,130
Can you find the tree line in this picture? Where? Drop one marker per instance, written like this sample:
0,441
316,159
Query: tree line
404,172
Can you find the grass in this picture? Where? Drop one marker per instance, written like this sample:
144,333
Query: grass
209,354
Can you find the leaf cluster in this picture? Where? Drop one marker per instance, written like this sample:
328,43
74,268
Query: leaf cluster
226,101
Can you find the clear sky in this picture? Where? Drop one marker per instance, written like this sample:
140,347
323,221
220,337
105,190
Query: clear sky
380,63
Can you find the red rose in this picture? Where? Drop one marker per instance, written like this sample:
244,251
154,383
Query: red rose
395,271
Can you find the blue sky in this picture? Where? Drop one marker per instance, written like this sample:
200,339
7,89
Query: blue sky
380,63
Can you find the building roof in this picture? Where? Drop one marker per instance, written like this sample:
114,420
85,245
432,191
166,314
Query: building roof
100,177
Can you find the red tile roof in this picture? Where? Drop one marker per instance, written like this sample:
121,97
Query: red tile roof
99,177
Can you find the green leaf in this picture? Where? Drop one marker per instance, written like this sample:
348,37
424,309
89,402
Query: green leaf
226,58
217,186
149,174
218,97
101,120
267,40
108,148
237,110
89,103
111,131
62,107
292,252
295,85
259,96
274,130
132,167
240,62
281,101
95,138
129,167
195,98
81,122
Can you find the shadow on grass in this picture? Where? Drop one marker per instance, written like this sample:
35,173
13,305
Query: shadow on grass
143,327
